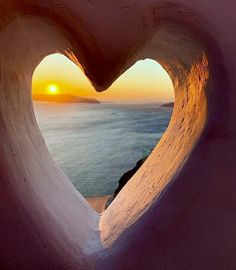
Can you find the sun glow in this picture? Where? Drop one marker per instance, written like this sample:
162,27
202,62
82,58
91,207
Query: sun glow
146,80
53,89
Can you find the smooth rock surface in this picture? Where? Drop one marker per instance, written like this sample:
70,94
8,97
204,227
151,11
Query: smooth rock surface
178,211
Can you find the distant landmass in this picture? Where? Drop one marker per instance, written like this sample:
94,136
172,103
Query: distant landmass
64,98
169,105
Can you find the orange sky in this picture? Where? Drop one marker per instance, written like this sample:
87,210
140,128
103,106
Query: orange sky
145,80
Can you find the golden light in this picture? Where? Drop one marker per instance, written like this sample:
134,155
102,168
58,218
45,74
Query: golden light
53,89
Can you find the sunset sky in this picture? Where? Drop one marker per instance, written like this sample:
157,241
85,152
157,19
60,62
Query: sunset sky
146,80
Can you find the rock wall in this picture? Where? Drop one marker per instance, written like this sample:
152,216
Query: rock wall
178,211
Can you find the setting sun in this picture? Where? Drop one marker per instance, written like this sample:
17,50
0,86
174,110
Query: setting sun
146,80
53,89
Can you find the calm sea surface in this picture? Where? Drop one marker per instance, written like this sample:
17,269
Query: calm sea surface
95,144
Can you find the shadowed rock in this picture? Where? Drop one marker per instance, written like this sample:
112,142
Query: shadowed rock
128,175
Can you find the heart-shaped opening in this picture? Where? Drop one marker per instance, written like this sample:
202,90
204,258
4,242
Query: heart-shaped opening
52,217
100,146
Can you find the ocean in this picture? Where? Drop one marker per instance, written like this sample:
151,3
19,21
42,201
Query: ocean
95,144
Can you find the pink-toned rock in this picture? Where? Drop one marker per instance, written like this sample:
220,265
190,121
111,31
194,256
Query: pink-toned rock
178,211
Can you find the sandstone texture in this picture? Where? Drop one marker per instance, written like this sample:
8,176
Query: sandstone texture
178,211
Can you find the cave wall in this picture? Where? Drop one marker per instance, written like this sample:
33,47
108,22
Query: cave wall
178,211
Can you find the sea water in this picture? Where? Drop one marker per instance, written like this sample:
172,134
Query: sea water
95,144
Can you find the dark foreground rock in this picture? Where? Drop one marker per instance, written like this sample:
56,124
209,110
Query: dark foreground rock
128,175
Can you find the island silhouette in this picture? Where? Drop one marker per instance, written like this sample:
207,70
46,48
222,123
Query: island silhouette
63,98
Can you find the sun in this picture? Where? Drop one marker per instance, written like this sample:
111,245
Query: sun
53,89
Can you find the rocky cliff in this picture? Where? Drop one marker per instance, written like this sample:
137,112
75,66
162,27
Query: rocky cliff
128,175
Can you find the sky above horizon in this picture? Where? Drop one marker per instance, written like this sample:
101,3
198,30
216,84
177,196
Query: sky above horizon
146,80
